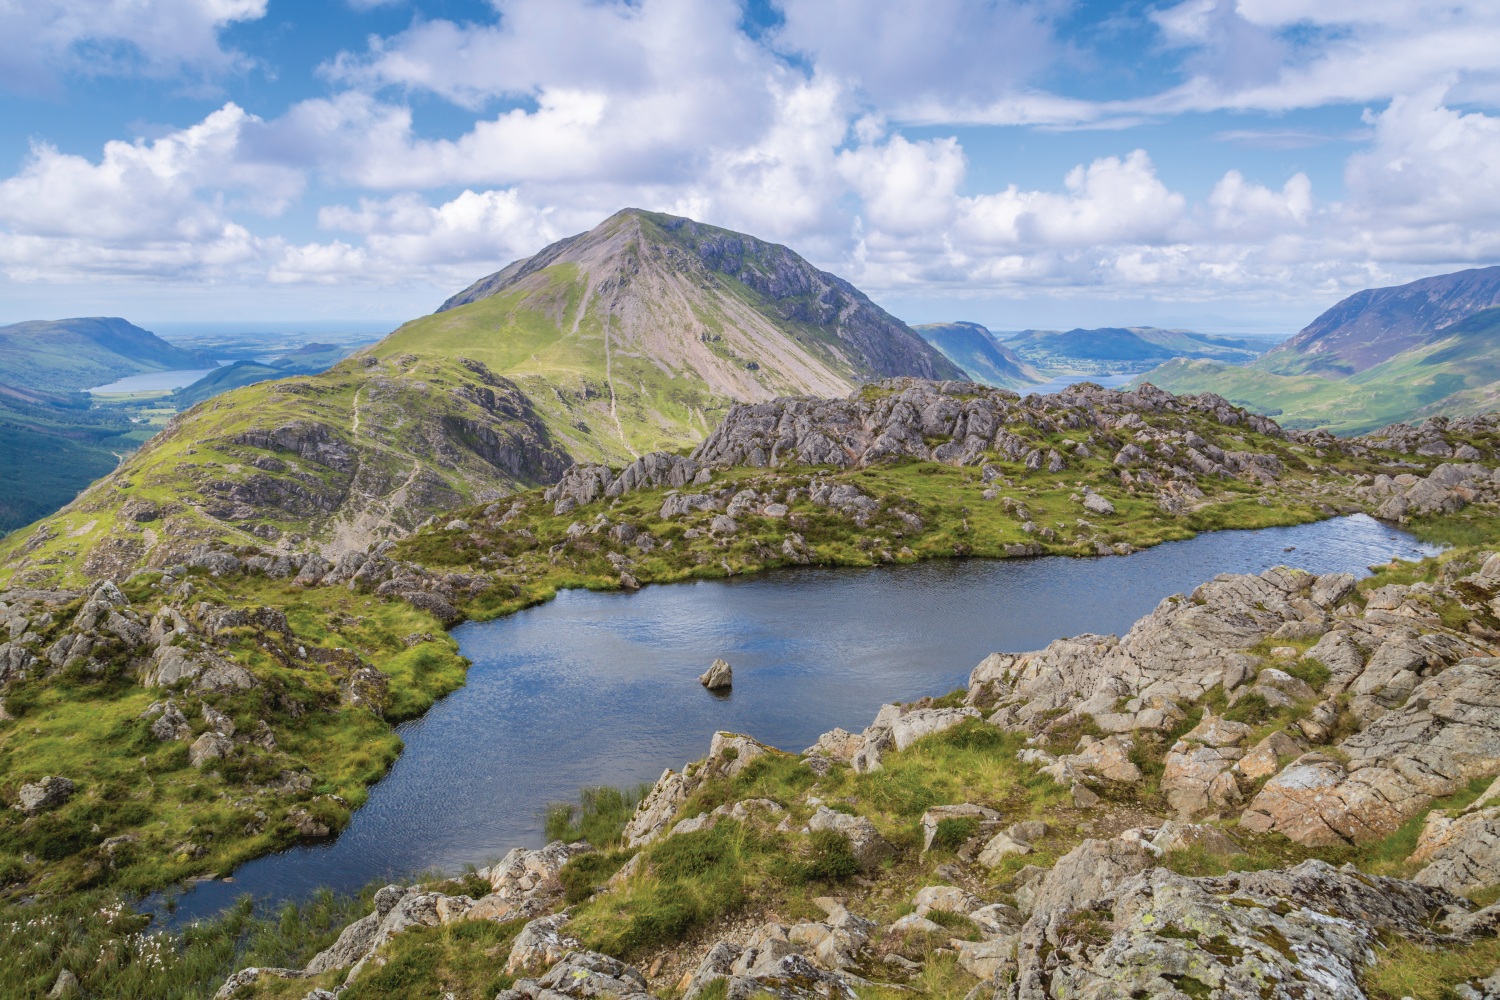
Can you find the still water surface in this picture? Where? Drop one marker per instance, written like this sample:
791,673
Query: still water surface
154,381
601,688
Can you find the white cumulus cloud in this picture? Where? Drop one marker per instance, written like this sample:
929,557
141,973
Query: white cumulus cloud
41,39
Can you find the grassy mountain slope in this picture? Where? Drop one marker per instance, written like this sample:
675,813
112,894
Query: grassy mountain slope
1457,375
309,360
983,358
52,446
69,354
640,334
1125,346
1373,326
367,450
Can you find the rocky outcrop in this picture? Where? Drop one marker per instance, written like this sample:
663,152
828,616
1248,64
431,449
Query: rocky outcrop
1171,658
583,484
718,677
1460,853
582,975
41,796
728,754
959,423
1446,489
1446,734
525,883
1306,931
1198,774
897,727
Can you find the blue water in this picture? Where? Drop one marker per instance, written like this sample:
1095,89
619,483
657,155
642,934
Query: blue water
601,688
154,381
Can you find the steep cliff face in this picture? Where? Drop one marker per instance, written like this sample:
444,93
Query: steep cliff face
332,462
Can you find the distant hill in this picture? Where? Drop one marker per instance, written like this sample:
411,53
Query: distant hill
1133,348
1380,356
52,445
983,358
1457,375
69,354
307,360
1375,325
636,336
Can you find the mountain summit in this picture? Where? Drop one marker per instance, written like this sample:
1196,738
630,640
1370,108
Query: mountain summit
642,332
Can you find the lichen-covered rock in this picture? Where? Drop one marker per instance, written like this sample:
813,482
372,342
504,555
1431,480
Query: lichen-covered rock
1305,932
539,944
40,796
582,975
1086,876
1445,735
837,744
527,880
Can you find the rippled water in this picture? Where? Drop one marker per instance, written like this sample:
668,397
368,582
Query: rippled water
601,688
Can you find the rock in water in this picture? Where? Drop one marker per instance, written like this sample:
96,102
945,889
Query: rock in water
719,677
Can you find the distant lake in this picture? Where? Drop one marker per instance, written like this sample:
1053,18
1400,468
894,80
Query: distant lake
154,381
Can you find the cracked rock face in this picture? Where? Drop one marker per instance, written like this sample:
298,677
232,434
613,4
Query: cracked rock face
1462,853
1446,734
1304,932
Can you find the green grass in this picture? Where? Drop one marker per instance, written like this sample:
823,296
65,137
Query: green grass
599,817
114,954
1422,972
461,960
186,821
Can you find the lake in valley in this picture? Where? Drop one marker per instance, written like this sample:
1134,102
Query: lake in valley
601,688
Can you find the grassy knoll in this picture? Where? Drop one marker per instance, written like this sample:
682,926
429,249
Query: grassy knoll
144,818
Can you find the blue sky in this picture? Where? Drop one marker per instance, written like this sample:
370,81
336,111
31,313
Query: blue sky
1225,164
